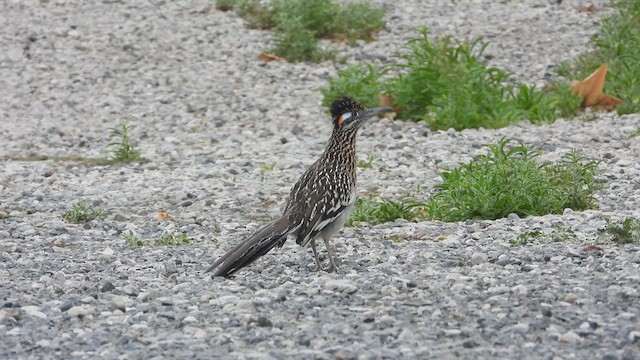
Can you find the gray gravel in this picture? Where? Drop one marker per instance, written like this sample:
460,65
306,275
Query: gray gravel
209,116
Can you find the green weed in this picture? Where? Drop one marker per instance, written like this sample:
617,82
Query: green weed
265,169
356,20
557,234
626,233
359,81
124,150
299,24
372,211
618,45
510,180
132,239
167,239
562,234
82,213
525,238
368,163
172,239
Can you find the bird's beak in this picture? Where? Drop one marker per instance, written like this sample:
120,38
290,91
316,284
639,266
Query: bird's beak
375,111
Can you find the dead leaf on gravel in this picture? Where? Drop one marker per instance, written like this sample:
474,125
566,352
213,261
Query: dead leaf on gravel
592,248
165,216
387,100
591,91
590,8
268,57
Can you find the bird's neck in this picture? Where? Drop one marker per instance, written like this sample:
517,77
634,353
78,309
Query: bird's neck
341,149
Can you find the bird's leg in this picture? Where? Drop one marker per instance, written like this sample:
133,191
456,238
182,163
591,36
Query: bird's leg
333,266
315,254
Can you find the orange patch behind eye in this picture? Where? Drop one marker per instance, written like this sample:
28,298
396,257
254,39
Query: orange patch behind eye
340,120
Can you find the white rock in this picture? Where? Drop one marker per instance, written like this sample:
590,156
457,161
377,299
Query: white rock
34,311
345,286
80,310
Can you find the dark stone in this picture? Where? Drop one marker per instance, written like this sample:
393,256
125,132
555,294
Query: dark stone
264,322
108,286
11,304
120,217
469,344
170,315
296,130
67,305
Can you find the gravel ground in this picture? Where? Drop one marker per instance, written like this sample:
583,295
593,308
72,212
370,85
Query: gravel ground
209,117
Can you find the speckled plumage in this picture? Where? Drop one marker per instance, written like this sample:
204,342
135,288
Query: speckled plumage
321,200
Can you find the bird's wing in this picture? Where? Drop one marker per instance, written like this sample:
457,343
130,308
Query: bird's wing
320,208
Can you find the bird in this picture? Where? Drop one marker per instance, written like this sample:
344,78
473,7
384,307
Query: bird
319,203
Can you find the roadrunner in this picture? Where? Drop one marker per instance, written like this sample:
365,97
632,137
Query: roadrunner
319,203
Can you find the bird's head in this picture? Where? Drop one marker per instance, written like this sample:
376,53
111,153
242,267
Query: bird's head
349,114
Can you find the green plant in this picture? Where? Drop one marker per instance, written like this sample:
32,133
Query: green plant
225,5
562,234
557,234
358,81
82,213
295,42
510,180
166,239
525,238
374,211
172,239
257,14
357,20
367,164
635,133
132,239
266,168
298,24
124,151
445,83
618,45
626,233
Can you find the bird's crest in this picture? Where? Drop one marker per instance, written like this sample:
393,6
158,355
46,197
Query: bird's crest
344,108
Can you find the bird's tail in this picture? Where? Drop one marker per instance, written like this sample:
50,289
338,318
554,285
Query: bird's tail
248,251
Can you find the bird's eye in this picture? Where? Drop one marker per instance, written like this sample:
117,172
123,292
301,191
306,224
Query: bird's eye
343,117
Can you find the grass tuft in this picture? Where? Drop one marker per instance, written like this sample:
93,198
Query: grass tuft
359,81
510,180
167,239
557,234
618,45
368,163
445,84
628,232
299,24
372,211
82,213
121,142
132,239
172,239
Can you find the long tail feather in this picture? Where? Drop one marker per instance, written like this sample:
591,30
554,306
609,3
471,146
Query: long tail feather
253,248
